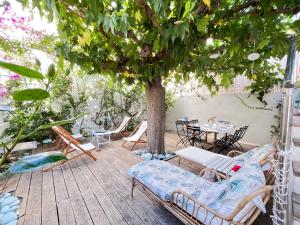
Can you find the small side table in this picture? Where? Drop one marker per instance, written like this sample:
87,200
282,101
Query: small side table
222,165
101,137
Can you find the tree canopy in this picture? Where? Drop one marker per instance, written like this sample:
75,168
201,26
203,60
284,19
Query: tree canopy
143,39
153,40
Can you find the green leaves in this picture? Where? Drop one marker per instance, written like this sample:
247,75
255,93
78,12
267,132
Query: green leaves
36,162
157,5
51,71
189,6
181,31
263,43
138,16
34,94
85,39
21,70
59,123
202,24
109,22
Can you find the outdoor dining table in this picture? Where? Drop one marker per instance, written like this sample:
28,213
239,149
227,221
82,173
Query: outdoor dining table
214,128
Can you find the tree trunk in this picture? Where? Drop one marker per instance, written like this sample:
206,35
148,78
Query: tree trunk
156,116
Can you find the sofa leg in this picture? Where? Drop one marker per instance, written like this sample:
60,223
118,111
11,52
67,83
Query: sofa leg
179,161
133,186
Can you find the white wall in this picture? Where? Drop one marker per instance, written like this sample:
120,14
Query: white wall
229,107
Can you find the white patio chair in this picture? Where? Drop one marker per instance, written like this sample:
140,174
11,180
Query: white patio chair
136,135
104,137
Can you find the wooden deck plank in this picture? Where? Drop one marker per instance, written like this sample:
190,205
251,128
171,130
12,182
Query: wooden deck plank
49,208
144,206
81,214
95,210
64,207
107,205
65,212
60,187
33,214
22,192
139,203
107,184
12,183
147,215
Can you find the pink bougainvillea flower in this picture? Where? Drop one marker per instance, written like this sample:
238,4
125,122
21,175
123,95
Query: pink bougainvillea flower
7,7
3,91
14,76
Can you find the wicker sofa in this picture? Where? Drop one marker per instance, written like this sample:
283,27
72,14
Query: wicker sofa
201,158
194,200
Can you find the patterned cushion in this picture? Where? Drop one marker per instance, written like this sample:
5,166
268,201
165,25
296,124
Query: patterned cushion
163,178
258,153
225,196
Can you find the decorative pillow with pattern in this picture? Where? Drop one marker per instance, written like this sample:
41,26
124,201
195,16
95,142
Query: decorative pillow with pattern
163,178
258,153
225,196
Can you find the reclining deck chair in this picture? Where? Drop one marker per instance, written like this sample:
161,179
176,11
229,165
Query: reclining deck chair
122,127
72,145
196,201
59,141
136,135
202,158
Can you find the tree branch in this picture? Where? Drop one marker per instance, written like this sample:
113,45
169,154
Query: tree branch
239,8
121,66
118,50
150,14
200,9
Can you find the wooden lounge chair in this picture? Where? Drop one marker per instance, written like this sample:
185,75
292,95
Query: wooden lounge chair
59,140
122,126
202,158
136,135
196,201
70,144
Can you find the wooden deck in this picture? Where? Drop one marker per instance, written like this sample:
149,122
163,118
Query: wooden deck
84,192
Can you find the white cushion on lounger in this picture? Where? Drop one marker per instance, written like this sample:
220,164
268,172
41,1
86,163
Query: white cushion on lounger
122,125
85,147
138,134
198,155
259,153
77,136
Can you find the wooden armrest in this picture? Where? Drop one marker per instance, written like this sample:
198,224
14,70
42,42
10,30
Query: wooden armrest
234,153
181,200
219,176
248,198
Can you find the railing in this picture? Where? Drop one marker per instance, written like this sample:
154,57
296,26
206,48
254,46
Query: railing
281,211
